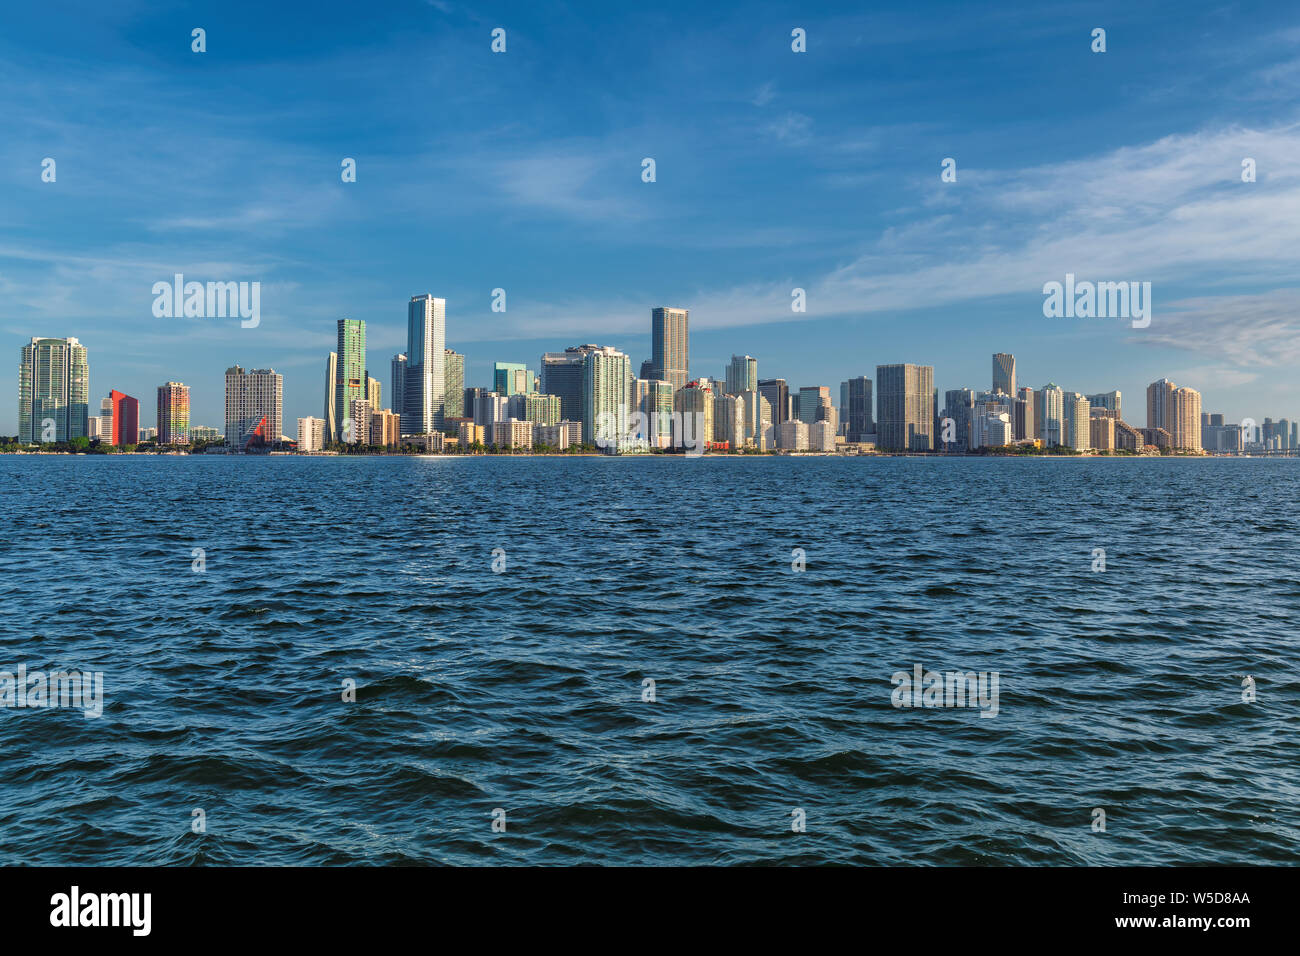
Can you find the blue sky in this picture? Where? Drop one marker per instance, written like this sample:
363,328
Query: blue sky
775,170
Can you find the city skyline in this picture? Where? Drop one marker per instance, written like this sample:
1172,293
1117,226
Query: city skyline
761,187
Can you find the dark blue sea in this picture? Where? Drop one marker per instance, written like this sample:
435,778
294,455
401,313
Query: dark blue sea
520,688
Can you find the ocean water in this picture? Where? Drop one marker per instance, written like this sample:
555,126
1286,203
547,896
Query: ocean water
519,687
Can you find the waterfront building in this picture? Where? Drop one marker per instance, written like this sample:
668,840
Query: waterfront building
1052,427
856,408
1022,419
350,373
694,399
385,428
1078,421
821,436
792,435
959,405
1177,410
254,401
331,411
424,403
126,419
53,391
454,372
513,433
311,434
173,414
905,407
607,393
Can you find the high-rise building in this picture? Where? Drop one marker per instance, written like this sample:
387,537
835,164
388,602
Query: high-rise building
670,341
173,414
537,408
53,391
1077,415
1004,373
742,374
126,418
654,398
792,435
1051,400
454,370
330,412
693,403
512,378
758,415
1107,400
777,394
729,421
106,420
1022,419
1177,410
254,401
607,393
1102,430
374,392
905,407
959,405
856,405
815,404
426,354
562,375
385,428
311,434
358,418
350,375
397,382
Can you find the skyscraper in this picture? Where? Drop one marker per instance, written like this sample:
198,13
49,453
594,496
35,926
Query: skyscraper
742,375
426,357
905,407
857,403
1178,411
350,376
1107,400
331,418
1078,421
670,341
607,389
1004,373
777,394
1051,399
53,391
1022,422
397,385
815,405
959,405
562,375
126,419
454,370
173,414
511,378
254,401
